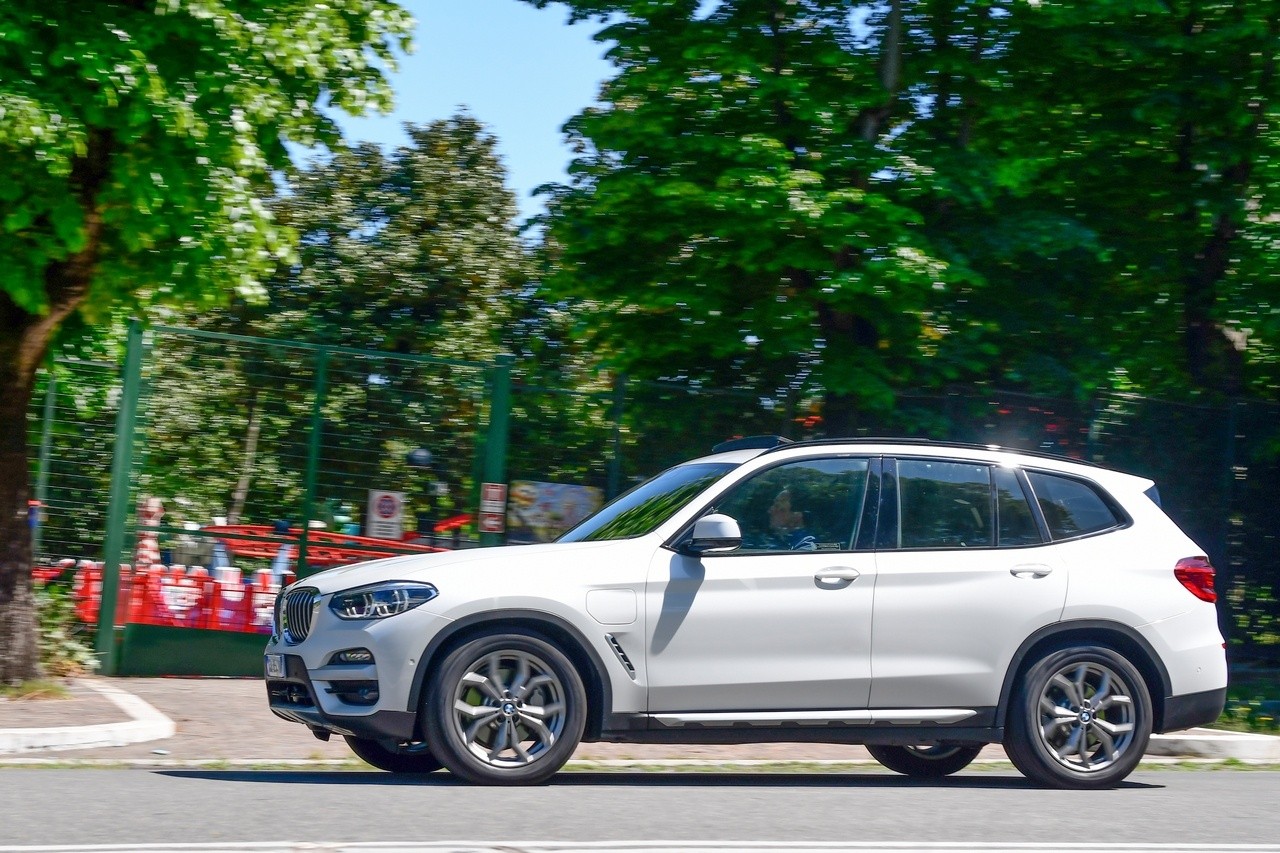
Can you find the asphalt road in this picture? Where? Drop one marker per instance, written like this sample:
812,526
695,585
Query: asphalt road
85,809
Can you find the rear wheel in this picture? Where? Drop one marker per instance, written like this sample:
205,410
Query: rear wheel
506,709
926,761
411,757
1080,718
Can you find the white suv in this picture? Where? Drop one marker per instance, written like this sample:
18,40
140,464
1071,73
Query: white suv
921,598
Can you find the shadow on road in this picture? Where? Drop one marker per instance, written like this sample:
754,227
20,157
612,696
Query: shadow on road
977,781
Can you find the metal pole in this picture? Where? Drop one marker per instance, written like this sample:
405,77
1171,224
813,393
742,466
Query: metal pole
495,445
313,457
118,503
46,447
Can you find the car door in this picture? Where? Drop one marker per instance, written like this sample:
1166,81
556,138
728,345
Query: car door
782,624
964,575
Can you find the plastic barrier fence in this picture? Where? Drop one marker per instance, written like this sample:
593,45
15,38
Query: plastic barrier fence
178,596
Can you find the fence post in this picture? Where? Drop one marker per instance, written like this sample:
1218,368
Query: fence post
495,444
118,502
46,447
313,457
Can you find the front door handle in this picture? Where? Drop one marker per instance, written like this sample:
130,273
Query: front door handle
1031,570
833,576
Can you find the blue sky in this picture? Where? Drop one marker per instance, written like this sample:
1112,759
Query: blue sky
521,71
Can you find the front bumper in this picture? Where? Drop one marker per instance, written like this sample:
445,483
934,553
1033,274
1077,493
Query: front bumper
294,698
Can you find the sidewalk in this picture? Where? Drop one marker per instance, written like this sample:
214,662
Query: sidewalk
167,721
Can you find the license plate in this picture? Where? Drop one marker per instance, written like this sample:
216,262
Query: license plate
275,666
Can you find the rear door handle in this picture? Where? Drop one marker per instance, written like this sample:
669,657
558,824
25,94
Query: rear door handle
830,577
1031,570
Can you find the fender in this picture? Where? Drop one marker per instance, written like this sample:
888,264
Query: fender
1150,665
596,679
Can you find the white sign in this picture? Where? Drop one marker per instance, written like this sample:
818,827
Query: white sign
493,507
385,518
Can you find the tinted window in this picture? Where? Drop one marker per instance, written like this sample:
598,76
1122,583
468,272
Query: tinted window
1070,507
944,504
811,505
1017,523
649,504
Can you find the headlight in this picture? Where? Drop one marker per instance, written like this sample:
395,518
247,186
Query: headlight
381,600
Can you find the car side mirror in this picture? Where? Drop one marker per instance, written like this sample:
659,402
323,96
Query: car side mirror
713,534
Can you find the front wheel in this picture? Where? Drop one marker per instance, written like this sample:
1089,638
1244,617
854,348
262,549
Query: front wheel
506,709
414,757
1080,718
931,761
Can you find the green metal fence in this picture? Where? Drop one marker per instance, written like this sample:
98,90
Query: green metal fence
253,432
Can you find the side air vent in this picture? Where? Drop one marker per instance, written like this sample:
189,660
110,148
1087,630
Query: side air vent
622,656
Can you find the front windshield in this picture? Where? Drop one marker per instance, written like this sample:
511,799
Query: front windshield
643,508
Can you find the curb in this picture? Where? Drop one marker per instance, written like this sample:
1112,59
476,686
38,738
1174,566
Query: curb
1212,743
145,723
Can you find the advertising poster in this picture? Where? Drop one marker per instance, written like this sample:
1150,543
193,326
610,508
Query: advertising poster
539,512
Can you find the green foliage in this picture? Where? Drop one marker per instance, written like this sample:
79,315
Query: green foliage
146,133
867,199
734,215
66,646
1253,702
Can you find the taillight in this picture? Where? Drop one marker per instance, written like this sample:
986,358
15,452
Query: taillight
1196,575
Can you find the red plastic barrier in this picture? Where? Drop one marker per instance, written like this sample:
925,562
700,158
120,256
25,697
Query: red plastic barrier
181,597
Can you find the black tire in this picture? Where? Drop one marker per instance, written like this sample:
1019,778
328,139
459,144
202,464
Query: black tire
505,709
1080,718
393,757
924,762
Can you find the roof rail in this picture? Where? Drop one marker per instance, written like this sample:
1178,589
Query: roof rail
751,442
929,442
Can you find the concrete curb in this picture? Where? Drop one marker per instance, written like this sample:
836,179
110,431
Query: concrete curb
145,723
1212,743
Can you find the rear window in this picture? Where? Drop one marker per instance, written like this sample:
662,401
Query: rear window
1071,507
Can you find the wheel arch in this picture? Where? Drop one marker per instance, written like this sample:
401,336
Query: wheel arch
543,625
1113,635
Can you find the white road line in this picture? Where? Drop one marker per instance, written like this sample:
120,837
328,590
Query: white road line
638,847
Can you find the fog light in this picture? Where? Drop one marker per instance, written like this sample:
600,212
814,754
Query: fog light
353,656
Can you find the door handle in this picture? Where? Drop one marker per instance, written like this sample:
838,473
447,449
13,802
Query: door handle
835,575
1031,570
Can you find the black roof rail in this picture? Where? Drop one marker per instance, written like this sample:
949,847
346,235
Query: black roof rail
752,442
929,442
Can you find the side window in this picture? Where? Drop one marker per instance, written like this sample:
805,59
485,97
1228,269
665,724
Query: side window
1016,522
1070,507
812,505
944,504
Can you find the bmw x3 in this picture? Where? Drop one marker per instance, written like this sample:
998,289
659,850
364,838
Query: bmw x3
924,599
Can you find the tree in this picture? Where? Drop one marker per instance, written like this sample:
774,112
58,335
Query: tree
412,252
138,139
737,212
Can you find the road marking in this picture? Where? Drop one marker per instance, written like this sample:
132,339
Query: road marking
638,847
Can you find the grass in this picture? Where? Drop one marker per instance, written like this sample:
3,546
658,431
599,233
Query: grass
40,688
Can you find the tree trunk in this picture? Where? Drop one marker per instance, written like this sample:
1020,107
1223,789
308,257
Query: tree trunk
19,654
24,342
241,493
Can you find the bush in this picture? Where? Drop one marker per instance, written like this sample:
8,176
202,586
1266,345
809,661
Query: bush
65,646
1253,702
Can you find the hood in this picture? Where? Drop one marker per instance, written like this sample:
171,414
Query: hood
425,567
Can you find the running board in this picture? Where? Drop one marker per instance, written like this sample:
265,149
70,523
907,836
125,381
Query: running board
894,716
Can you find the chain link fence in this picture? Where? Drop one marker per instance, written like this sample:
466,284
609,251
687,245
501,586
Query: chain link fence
265,435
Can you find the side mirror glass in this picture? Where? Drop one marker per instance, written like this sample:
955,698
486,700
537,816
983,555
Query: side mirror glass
713,534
